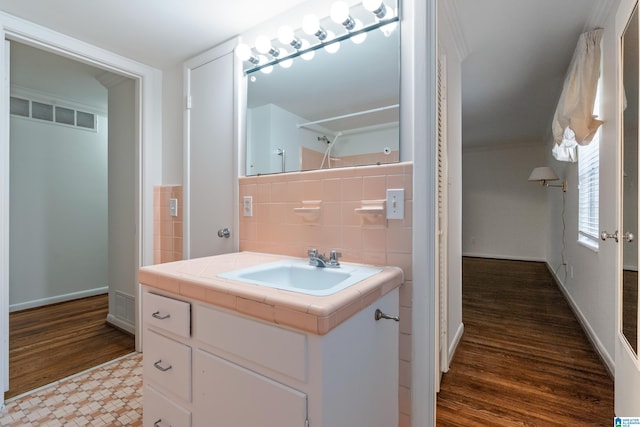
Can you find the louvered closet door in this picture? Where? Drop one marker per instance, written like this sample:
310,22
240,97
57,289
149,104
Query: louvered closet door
441,262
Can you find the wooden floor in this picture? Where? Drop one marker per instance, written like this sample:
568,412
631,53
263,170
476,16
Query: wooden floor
524,359
49,343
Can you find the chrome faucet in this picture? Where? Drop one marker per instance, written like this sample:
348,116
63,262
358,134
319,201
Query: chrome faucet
320,260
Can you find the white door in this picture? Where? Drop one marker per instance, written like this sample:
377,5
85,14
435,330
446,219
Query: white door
4,223
627,363
210,180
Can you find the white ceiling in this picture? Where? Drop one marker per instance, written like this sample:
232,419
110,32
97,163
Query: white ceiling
518,50
159,33
518,53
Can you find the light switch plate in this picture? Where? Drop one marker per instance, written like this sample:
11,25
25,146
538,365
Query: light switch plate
247,206
173,207
395,203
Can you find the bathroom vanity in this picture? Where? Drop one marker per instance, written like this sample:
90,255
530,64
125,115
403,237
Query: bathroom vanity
221,352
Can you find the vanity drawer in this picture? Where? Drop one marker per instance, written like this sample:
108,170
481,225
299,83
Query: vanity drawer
273,347
167,363
169,314
160,411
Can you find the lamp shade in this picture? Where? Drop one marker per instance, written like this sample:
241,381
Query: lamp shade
543,173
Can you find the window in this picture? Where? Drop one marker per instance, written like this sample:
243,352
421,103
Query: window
589,185
55,114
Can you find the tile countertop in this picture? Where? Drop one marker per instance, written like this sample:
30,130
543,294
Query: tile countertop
197,279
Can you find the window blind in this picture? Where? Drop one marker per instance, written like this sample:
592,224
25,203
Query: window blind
589,189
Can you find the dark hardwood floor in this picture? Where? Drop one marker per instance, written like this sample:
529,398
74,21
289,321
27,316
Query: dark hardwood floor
524,359
49,343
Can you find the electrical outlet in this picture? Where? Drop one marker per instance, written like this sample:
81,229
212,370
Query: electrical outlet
395,203
247,206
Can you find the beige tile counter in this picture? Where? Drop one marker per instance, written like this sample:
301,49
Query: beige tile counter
197,279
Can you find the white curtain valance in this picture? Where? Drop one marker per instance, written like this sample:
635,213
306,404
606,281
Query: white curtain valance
573,121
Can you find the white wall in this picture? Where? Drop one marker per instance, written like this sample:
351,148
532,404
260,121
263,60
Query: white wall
504,215
58,205
123,170
589,279
58,236
368,141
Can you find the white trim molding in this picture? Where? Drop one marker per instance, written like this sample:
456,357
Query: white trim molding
586,326
58,298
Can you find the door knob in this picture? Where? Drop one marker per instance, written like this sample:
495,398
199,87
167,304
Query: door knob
628,236
224,232
604,235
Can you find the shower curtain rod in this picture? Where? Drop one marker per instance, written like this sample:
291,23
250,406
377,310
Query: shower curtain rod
345,116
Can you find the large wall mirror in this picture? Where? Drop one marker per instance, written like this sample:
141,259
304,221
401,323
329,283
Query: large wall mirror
334,110
630,75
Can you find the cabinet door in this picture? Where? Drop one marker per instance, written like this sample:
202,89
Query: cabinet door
226,394
210,178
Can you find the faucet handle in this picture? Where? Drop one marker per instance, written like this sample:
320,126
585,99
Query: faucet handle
312,253
333,257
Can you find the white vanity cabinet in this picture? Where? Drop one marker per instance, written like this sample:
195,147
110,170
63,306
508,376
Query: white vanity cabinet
247,372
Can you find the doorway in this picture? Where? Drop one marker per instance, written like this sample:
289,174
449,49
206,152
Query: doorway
148,149
69,188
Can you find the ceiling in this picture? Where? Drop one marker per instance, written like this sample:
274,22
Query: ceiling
516,51
157,33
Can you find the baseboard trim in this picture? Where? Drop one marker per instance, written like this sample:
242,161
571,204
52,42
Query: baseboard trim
58,298
606,358
506,257
455,342
121,324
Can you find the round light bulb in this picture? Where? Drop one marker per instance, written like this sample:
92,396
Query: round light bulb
371,5
334,47
388,29
339,12
263,60
263,44
309,55
287,63
360,38
310,24
243,52
285,34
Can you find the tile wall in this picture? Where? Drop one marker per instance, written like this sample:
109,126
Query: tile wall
167,229
281,223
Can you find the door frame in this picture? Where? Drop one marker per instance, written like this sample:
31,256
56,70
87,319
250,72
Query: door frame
149,148
627,365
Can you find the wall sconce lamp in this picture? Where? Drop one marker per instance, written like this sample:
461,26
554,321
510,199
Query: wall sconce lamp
544,174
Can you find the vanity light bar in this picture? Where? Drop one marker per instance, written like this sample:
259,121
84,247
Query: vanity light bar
323,44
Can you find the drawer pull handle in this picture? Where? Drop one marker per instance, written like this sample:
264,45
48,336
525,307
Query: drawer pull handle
158,316
161,368
157,423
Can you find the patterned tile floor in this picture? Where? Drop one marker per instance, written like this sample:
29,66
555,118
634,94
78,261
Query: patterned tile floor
109,395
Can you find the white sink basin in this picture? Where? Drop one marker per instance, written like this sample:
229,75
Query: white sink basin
299,276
